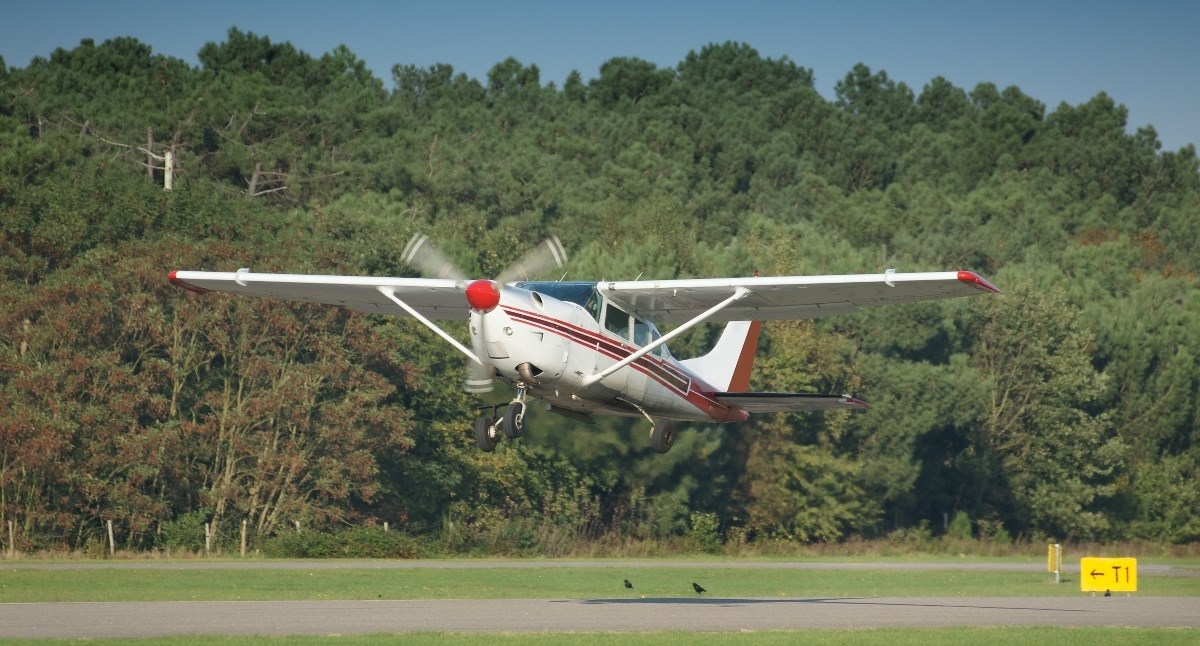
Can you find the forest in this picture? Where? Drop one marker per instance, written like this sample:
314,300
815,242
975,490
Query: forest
1065,409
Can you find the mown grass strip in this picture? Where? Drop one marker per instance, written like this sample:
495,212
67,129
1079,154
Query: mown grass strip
60,585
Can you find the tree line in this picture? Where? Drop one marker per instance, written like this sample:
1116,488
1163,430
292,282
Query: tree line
1064,409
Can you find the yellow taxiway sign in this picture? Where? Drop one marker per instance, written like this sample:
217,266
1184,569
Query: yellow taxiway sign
1107,575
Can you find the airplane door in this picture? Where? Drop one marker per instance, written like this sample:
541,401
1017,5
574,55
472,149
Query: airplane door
618,322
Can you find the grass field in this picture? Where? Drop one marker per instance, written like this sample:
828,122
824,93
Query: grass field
350,583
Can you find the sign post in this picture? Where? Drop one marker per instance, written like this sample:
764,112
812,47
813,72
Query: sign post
1107,575
1054,561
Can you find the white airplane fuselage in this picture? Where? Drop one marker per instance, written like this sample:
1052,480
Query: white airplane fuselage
564,344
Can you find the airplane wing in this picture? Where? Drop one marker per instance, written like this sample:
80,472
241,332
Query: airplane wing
787,297
786,402
434,298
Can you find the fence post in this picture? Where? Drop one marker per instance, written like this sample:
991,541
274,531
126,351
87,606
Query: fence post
12,539
207,538
112,545
243,537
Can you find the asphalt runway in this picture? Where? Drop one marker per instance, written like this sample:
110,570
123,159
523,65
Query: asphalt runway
152,619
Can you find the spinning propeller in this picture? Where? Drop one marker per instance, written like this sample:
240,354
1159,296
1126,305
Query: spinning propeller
482,295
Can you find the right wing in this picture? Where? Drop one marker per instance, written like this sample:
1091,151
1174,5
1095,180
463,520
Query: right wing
434,298
786,402
787,297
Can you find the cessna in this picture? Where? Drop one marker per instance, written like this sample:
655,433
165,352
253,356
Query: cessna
594,348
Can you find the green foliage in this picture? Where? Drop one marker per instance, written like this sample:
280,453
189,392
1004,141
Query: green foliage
960,526
185,533
1066,407
311,544
359,542
704,532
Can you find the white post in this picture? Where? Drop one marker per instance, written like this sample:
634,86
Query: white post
385,525
1058,562
12,539
243,537
169,170
112,546
207,538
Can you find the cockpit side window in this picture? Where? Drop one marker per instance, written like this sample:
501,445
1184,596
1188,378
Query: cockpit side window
593,305
616,321
619,323
641,332
644,334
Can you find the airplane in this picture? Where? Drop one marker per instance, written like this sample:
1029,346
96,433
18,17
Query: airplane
588,348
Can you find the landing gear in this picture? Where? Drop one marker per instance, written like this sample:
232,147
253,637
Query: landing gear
485,434
662,436
514,420
514,414
488,428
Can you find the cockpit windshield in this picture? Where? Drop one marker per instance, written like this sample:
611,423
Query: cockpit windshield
579,293
586,296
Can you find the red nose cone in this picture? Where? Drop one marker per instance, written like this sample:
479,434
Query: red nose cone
483,295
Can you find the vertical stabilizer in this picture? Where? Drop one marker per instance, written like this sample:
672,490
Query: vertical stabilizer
727,366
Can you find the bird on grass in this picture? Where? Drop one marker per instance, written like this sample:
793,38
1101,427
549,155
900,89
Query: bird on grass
628,584
697,588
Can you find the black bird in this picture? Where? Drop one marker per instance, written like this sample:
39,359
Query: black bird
697,588
628,584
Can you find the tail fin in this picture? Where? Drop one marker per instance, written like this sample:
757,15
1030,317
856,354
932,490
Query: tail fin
727,366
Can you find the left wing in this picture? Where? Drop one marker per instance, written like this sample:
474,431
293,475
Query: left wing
787,297
434,298
785,402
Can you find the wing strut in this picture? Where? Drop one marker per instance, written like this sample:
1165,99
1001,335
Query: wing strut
391,294
738,294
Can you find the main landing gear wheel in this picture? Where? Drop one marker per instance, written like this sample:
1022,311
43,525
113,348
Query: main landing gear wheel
514,420
662,436
485,434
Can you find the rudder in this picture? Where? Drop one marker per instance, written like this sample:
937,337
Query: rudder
728,365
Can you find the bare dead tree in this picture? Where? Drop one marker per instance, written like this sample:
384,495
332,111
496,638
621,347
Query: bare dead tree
265,182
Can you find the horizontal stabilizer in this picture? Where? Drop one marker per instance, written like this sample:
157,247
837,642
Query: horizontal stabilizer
784,402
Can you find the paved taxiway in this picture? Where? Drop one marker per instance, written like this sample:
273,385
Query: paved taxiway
148,619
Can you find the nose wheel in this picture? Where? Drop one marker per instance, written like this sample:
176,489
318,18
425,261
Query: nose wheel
514,420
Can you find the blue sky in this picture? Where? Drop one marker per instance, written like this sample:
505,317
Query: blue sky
1146,55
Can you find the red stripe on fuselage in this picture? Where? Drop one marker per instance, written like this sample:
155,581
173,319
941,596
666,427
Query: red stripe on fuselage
650,366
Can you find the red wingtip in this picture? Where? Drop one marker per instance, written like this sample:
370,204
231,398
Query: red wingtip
978,282
184,284
855,402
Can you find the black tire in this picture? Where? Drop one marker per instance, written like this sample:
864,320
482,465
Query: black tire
483,434
662,438
514,420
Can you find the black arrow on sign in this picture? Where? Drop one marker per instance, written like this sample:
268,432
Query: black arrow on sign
1096,574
